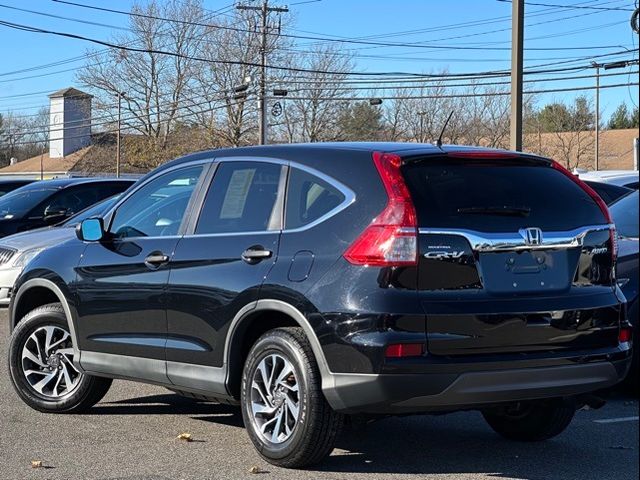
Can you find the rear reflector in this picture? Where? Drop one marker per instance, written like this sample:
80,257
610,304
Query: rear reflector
402,350
391,239
624,335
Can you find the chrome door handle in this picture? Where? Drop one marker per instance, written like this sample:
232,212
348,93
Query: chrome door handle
156,260
256,254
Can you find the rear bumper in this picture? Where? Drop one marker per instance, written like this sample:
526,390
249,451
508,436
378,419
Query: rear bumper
433,392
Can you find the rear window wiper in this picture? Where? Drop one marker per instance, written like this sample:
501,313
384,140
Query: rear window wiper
504,210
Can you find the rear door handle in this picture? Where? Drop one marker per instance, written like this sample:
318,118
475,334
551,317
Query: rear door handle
256,254
156,260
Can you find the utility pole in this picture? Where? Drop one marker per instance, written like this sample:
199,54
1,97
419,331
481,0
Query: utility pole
264,10
597,147
120,95
517,53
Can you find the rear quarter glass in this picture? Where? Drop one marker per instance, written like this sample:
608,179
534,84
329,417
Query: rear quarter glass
443,188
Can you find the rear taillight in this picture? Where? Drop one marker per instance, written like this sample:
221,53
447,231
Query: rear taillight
404,350
391,239
613,236
625,334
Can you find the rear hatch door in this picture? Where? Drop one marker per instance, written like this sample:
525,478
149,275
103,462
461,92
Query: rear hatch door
505,245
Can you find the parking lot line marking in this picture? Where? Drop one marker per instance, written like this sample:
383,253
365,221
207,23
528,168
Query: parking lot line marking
617,420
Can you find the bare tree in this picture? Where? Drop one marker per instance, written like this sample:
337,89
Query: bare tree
318,96
154,85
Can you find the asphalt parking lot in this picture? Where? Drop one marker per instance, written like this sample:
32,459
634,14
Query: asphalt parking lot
132,434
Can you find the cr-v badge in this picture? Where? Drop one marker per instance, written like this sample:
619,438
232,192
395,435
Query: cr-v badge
441,255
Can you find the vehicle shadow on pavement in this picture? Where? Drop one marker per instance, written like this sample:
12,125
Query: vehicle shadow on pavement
171,404
433,445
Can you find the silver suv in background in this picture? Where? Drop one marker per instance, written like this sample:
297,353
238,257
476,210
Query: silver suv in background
18,249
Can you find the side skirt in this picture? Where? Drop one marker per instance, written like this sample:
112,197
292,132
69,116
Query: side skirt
202,381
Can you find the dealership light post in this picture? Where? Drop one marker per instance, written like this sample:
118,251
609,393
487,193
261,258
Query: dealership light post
607,66
120,95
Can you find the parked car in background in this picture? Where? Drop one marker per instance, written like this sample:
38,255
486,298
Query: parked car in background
309,282
625,215
10,184
608,191
18,249
49,202
622,178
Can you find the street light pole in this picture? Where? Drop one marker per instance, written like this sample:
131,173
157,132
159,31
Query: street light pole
120,95
597,147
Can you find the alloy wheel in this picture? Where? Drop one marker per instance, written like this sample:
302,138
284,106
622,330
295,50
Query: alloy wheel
47,362
275,398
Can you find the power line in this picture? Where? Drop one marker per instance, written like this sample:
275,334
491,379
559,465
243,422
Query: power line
464,95
609,9
300,37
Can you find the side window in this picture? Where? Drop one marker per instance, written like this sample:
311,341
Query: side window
71,199
242,198
309,198
157,209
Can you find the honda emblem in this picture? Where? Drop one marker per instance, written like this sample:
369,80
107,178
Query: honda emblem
531,235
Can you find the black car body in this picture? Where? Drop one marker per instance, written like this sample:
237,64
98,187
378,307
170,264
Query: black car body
625,215
8,185
422,280
48,202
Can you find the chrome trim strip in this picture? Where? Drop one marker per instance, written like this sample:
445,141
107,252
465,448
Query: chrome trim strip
349,198
349,195
501,242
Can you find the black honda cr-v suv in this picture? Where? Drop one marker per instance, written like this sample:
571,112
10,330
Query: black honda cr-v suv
311,282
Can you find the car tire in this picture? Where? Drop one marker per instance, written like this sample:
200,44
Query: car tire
531,421
281,378
45,378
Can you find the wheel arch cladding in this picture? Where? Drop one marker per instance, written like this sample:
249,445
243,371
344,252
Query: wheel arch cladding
247,328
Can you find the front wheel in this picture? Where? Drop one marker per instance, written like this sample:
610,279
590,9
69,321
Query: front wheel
531,421
286,415
41,364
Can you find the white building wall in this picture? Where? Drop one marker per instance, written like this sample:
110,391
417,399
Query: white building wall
56,123
77,124
69,125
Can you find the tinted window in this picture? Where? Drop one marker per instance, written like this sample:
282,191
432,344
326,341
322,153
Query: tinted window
608,192
94,211
242,198
497,196
158,208
19,202
6,187
309,198
76,198
625,215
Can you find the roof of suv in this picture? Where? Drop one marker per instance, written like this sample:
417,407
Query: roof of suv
391,147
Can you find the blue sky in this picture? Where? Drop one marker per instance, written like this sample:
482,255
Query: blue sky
594,31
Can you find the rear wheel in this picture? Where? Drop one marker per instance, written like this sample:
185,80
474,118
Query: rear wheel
286,415
41,365
531,421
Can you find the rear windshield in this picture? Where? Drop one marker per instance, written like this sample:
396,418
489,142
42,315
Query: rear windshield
498,196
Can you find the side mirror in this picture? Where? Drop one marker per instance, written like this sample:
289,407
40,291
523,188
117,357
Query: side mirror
53,215
90,230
